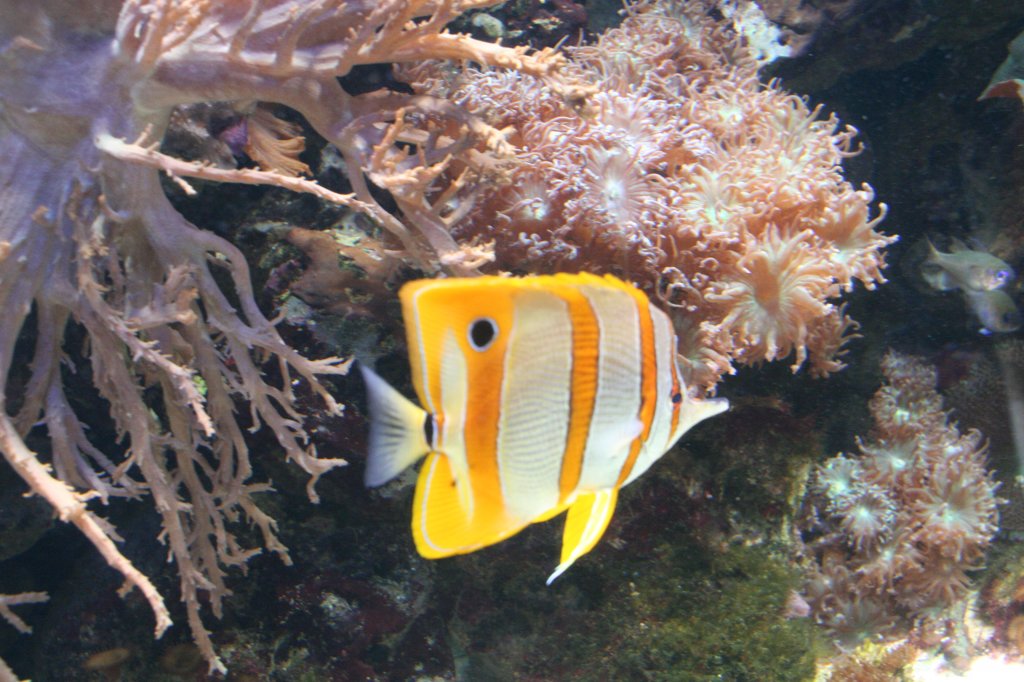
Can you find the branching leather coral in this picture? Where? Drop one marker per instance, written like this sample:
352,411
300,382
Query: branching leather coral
88,238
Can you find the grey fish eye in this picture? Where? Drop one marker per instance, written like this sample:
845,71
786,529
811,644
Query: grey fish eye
482,332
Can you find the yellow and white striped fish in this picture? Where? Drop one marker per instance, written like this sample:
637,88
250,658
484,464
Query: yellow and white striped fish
539,394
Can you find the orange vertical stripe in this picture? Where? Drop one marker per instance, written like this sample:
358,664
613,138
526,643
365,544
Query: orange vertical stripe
483,397
435,308
583,390
677,385
648,382
481,428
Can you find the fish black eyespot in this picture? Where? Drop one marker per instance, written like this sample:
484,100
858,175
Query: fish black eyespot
482,332
430,430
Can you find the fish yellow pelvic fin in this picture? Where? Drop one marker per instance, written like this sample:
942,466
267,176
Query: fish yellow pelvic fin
442,525
397,435
585,523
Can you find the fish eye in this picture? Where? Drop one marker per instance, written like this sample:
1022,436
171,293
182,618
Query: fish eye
482,332
677,398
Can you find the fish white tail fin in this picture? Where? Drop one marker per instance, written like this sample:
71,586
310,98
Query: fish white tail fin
397,437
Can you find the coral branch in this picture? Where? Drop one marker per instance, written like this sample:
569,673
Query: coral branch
9,600
70,508
143,154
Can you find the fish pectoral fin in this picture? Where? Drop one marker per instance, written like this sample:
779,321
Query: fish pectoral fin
443,524
626,434
937,278
397,438
585,523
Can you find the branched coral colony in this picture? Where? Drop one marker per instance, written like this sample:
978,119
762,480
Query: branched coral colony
654,153
88,237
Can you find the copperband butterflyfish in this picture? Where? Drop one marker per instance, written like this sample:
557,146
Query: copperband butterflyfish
537,395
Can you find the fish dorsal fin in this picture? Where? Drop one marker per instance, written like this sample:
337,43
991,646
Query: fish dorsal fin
397,438
695,411
585,523
442,526
958,245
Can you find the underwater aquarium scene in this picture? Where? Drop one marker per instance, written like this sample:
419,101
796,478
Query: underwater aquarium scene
524,341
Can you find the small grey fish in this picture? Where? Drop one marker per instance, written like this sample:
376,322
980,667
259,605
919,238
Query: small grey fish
995,310
965,268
